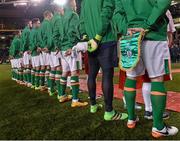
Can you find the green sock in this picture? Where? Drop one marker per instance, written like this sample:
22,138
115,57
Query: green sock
28,75
47,78
75,86
21,75
33,77
158,98
52,81
37,78
42,76
17,74
24,75
63,83
57,78
130,96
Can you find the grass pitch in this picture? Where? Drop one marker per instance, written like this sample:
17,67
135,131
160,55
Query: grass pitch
28,114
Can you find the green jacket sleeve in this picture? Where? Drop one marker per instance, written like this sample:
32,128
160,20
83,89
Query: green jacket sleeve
73,35
33,41
16,47
38,39
25,40
57,34
106,15
46,34
119,18
160,7
11,50
82,29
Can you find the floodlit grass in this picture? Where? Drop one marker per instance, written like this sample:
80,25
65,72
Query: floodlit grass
176,66
174,84
28,114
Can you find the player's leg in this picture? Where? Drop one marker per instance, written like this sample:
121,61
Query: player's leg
12,69
16,69
107,59
42,71
73,62
25,68
156,68
52,74
130,92
20,66
92,74
47,68
33,70
57,80
63,80
37,72
146,91
47,76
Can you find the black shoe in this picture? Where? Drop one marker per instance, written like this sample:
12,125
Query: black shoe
165,115
148,115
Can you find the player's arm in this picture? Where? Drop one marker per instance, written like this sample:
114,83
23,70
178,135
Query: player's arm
160,7
82,29
171,29
21,47
16,47
26,40
44,33
12,48
48,36
119,18
73,29
32,42
106,15
56,34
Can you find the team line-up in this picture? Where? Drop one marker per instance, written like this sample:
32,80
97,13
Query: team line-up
45,54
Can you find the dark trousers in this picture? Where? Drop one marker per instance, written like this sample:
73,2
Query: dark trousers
105,58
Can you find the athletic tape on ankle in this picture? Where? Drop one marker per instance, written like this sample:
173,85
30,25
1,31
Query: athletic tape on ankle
57,77
63,81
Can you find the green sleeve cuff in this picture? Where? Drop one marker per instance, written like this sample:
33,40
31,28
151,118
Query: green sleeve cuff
146,26
98,37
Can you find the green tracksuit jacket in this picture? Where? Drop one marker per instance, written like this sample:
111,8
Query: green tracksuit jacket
56,23
66,32
16,47
46,34
25,39
147,14
10,50
96,18
34,41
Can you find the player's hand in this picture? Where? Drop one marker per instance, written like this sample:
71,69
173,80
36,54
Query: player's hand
21,53
39,49
68,52
94,43
170,44
46,50
170,40
10,57
28,52
131,31
84,38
